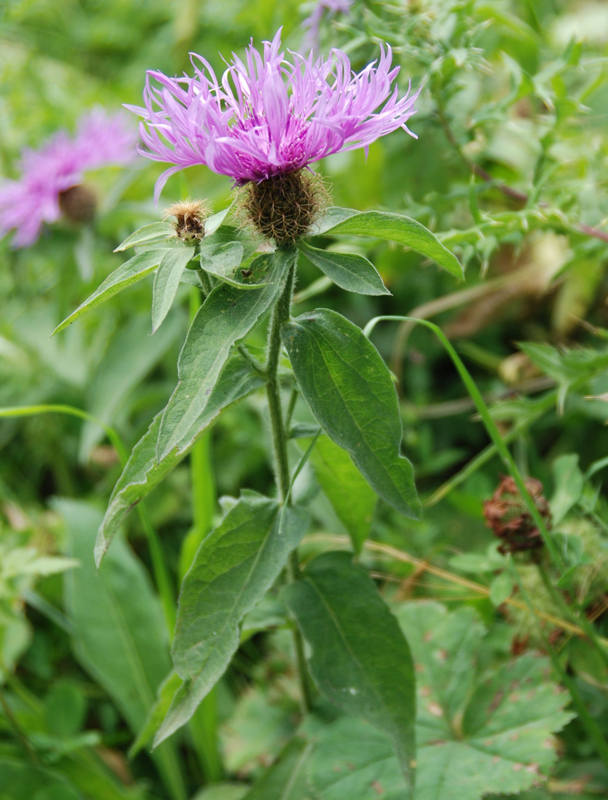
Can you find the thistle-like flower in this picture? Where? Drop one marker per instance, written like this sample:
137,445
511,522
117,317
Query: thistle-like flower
269,116
51,179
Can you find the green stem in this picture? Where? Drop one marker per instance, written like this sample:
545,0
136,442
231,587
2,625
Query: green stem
280,315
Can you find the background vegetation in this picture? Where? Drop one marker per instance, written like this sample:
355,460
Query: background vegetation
510,170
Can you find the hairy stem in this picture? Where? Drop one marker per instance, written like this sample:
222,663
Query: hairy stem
280,315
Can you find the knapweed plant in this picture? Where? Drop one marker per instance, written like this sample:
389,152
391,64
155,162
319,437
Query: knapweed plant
263,123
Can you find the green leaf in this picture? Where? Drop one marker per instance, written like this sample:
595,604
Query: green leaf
126,275
223,259
233,569
501,588
119,632
226,316
144,470
359,658
351,393
351,272
149,233
569,482
355,761
222,791
349,493
285,780
166,282
477,733
157,713
395,227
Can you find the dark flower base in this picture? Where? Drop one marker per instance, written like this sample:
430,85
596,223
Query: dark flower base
283,208
78,204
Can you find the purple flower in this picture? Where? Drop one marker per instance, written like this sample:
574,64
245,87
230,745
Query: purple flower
312,23
33,199
267,115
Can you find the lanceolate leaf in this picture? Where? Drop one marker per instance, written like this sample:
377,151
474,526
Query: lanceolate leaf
149,234
359,659
143,471
126,275
352,272
166,282
233,569
395,227
226,316
223,259
351,393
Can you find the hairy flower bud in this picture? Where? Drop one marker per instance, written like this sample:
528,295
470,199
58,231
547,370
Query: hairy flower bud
190,216
508,516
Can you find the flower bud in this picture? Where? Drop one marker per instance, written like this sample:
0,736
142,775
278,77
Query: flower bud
78,204
190,216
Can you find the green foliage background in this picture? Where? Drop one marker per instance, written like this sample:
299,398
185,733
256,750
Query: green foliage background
510,170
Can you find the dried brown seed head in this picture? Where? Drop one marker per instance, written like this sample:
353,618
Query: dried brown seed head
508,516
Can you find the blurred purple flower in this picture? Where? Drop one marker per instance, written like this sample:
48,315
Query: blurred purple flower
34,198
312,23
269,116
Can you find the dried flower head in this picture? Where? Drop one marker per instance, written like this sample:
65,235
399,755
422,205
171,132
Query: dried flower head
190,216
269,115
508,516
49,176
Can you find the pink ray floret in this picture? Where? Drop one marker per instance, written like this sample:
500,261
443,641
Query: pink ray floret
269,115
33,199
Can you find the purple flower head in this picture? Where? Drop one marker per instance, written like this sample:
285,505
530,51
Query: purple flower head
312,23
267,115
34,198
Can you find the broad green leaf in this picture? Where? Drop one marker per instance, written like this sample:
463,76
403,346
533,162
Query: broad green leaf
360,660
349,493
351,272
126,275
351,393
233,569
477,734
285,779
119,632
397,228
166,282
149,233
355,761
569,482
131,355
501,588
144,471
226,316
22,779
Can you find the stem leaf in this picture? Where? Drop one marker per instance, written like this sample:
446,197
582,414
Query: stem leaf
233,569
126,275
347,270
396,227
166,282
351,393
144,471
360,659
